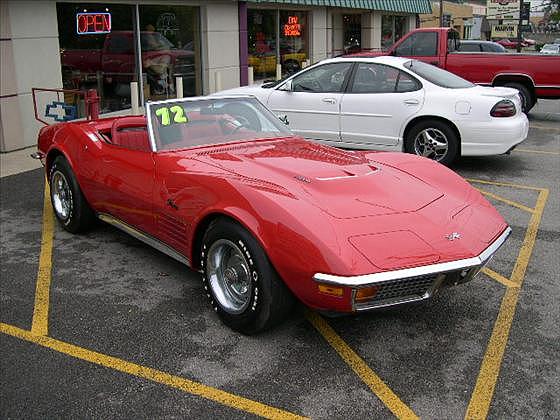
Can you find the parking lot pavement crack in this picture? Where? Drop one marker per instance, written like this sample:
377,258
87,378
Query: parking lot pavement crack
364,372
40,323
154,375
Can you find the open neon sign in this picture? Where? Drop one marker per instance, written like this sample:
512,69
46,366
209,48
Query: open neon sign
93,23
293,27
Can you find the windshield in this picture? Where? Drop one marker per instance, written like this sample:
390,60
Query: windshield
437,76
183,123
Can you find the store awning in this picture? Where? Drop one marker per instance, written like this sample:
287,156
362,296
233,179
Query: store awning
407,6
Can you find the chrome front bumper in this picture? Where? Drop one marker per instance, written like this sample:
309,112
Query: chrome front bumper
413,284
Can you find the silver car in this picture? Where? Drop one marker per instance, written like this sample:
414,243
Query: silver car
550,49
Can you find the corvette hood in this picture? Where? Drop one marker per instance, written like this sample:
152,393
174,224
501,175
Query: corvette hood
343,184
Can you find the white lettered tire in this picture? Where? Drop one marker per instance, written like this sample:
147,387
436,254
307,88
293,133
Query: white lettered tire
239,280
69,204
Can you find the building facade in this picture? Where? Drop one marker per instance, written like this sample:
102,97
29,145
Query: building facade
168,46
457,15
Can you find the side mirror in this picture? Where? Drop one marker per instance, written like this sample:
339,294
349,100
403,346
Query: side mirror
287,86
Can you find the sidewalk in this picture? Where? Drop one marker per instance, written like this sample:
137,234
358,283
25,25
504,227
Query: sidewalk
19,161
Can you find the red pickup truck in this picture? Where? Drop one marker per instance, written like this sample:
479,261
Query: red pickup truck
533,75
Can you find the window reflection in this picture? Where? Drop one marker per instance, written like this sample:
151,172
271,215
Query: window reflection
276,37
169,41
105,62
108,62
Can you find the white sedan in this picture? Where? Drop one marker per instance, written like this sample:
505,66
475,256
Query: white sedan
550,49
396,104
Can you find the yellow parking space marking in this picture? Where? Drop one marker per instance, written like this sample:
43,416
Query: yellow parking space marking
543,127
364,372
504,184
491,364
543,152
40,323
498,277
505,200
151,374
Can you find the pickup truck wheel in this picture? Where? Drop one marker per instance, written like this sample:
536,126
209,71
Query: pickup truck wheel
434,140
527,101
70,207
243,287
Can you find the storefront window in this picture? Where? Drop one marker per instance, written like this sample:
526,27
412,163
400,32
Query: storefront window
261,26
293,41
97,50
392,29
352,27
401,27
276,37
169,40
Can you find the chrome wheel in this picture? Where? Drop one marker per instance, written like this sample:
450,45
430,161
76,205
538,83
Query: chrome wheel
229,276
61,195
431,143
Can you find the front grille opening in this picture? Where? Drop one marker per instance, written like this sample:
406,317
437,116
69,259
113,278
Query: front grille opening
412,289
404,288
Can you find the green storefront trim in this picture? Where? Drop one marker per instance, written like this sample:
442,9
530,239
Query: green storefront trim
406,6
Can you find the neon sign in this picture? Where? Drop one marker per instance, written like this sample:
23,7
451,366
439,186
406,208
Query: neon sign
293,27
93,23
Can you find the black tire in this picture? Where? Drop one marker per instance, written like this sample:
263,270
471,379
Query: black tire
527,98
440,128
77,215
267,299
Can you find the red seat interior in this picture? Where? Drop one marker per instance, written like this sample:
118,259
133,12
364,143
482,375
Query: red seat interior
131,132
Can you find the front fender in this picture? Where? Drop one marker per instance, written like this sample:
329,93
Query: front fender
299,239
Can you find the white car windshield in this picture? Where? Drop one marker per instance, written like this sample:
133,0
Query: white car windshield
187,123
437,76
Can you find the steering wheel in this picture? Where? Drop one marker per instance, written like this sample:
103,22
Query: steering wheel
234,125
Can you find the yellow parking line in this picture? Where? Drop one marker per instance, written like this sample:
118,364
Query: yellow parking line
543,127
543,152
498,277
368,376
150,374
505,200
491,364
40,323
504,184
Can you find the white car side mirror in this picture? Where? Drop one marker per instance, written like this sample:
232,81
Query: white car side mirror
287,86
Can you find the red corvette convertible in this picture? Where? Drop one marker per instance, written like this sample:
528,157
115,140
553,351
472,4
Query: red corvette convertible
223,186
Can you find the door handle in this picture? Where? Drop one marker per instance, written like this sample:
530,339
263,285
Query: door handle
411,101
329,100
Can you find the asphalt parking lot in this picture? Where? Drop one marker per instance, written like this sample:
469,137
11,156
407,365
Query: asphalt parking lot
100,325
